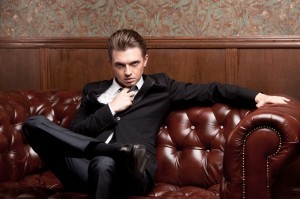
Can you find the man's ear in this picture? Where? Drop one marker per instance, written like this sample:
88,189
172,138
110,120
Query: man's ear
146,60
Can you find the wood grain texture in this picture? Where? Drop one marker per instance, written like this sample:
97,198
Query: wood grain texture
271,65
270,70
20,69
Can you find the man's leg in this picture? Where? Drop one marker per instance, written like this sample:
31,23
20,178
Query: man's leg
94,176
72,172
102,173
128,183
51,142
104,177
45,138
54,143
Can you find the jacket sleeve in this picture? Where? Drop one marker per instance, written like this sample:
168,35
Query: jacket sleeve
92,118
211,93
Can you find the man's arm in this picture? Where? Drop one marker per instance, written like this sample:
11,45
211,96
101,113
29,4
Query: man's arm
92,118
224,93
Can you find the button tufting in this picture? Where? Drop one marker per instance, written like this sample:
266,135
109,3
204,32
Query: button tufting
193,127
221,127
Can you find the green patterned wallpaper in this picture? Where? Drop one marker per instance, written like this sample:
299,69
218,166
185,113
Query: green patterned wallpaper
188,18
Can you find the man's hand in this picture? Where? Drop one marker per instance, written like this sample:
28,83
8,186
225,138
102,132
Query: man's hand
262,99
122,100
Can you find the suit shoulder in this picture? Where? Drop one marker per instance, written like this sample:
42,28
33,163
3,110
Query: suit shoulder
96,84
91,85
159,76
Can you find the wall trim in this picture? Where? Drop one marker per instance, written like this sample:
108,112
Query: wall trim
156,43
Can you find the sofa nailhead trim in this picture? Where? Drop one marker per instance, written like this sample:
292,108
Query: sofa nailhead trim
267,163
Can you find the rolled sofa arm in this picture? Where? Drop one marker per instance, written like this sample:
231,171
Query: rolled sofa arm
261,146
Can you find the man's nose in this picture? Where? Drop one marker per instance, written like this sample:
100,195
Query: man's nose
127,70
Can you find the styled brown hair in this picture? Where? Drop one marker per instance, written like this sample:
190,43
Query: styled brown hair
124,39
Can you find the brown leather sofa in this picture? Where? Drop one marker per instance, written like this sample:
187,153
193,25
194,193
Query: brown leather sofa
202,152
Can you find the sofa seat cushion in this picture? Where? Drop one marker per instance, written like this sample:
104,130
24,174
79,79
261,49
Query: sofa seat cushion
40,193
166,191
43,185
43,180
68,195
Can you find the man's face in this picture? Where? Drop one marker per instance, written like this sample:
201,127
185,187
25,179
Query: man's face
128,66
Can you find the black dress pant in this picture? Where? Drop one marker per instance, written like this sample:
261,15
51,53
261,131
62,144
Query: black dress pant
103,176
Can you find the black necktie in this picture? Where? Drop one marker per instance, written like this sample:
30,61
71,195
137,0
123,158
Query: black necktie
134,88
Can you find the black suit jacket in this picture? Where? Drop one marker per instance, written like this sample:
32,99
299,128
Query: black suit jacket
158,95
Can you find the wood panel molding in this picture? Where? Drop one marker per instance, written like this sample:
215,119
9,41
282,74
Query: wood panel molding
156,43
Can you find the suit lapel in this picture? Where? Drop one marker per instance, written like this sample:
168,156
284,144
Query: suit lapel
93,94
149,82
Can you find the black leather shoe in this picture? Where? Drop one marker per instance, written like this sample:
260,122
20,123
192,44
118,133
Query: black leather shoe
136,157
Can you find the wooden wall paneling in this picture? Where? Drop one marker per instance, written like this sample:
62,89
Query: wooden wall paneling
44,65
72,68
231,65
213,65
267,64
270,70
188,65
19,69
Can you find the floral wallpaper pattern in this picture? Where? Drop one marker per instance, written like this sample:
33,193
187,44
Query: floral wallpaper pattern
191,18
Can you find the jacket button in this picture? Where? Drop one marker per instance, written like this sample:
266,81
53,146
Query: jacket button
118,118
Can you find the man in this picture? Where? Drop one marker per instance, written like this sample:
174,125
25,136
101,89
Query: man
110,147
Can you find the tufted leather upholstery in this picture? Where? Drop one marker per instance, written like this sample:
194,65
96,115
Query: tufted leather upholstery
202,152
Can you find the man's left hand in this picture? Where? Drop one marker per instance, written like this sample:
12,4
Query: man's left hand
262,99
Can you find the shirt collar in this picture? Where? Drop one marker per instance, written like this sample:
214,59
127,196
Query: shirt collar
140,83
115,86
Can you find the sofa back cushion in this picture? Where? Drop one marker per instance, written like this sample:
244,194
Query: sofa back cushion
190,145
17,159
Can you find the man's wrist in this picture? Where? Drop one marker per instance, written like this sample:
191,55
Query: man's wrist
111,110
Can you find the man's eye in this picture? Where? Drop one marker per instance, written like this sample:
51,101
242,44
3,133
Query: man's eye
135,63
119,65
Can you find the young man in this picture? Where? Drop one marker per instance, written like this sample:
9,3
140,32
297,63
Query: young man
110,147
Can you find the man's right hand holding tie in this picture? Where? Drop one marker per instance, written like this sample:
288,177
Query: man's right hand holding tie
122,100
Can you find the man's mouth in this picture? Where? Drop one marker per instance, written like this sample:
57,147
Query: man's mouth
128,81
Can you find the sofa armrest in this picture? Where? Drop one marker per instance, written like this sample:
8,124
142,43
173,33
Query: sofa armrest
261,146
